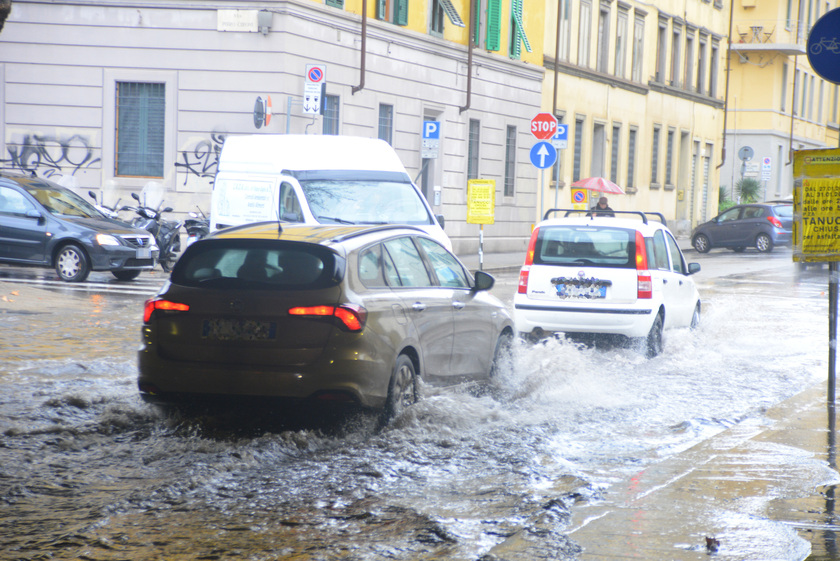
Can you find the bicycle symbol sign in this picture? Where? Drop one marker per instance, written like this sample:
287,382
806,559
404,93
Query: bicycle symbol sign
824,48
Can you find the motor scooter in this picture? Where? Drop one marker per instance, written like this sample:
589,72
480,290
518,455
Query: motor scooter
166,232
110,212
197,226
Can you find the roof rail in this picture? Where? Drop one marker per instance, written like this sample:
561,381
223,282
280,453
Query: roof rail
377,228
592,214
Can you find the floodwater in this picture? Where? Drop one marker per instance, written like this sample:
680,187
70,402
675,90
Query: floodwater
88,471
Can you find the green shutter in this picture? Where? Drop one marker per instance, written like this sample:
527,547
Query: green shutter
380,9
517,30
335,3
494,25
402,12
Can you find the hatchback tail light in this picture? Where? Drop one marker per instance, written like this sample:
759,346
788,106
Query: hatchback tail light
644,282
775,221
161,304
351,316
529,260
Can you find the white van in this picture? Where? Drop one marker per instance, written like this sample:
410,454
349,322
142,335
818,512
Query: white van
317,179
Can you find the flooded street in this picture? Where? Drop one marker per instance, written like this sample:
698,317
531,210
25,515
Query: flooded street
88,471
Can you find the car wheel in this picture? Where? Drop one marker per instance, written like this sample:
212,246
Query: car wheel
739,249
695,317
71,264
502,356
653,341
763,243
701,243
402,389
126,275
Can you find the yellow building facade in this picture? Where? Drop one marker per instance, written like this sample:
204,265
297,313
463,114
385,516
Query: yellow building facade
777,102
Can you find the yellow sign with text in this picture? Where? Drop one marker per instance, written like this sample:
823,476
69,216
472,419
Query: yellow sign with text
481,201
580,199
816,205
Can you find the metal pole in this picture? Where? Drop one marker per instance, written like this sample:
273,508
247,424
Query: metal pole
832,329
481,247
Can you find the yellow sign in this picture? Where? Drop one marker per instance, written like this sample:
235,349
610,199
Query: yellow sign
580,199
481,201
816,205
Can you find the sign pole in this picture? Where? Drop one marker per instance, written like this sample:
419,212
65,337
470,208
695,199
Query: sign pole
481,247
832,330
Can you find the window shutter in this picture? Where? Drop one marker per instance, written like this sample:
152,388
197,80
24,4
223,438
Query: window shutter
335,3
402,12
494,25
380,9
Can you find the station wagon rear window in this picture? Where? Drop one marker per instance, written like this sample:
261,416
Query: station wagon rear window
252,264
581,245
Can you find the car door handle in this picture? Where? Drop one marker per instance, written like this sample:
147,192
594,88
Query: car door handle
418,306
458,305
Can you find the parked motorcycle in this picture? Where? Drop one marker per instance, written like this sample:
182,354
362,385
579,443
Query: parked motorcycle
166,232
197,226
110,212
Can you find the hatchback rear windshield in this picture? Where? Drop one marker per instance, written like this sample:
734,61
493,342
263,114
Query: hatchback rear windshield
785,211
251,264
581,245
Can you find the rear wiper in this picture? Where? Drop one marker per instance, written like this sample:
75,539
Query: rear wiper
335,219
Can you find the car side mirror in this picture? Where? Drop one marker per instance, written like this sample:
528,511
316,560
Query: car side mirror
32,213
483,281
440,220
693,268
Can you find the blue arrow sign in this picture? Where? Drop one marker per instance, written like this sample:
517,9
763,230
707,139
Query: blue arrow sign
543,155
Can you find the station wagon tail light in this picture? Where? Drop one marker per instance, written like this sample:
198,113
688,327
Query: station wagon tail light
529,260
351,316
644,281
775,221
160,304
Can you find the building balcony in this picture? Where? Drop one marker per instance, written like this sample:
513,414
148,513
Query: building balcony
770,36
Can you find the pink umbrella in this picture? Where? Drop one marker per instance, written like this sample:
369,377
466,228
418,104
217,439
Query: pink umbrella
599,184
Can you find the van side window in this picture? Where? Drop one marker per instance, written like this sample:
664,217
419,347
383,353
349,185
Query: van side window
289,204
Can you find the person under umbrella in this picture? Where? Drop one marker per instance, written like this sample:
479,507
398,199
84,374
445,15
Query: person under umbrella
602,208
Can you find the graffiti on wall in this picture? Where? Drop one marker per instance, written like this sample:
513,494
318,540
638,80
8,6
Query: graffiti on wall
203,159
46,155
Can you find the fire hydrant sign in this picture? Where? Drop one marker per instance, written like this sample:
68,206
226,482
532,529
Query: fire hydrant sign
481,201
816,205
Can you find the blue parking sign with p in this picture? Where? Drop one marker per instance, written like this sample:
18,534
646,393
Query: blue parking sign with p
431,130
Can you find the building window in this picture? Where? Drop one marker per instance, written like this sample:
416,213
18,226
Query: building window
784,87
621,42
517,36
669,157
630,184
393,11
583,33
820,102
474,143
795,92
386,122
811,99
804,106
676,41
661,50
638,47
334,3
510,160
614,151
564,33
141,113
578,148
834,107
330,120
602,57
713,68
689,59
654,156
701,66
436,20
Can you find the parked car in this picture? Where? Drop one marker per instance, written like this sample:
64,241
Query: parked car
47,225
759,225
339,314
622,276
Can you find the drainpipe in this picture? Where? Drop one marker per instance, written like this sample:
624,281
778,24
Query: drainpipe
556,58
361,85
470,35
726,95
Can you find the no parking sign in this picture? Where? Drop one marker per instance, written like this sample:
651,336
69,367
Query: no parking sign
580,199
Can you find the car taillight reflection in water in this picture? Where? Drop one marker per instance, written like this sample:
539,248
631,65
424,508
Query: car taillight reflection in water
352,317
160,304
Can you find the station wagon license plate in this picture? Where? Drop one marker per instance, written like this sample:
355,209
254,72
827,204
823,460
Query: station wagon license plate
238,330
572,291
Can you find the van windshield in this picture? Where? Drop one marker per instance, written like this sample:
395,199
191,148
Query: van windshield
365,202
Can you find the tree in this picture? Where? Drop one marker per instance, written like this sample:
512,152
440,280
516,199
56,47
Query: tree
748,189
5,8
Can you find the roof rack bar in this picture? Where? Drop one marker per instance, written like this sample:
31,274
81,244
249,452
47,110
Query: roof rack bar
593,214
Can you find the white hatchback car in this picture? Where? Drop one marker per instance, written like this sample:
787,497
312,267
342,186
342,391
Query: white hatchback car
622,275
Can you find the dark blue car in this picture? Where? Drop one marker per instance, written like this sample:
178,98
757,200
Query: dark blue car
46,225
759,225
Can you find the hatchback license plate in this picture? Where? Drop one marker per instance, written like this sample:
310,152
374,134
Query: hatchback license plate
238,330
572,291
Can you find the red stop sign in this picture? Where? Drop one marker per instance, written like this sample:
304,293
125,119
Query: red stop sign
544,126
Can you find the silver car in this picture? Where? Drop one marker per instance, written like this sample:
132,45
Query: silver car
338,314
